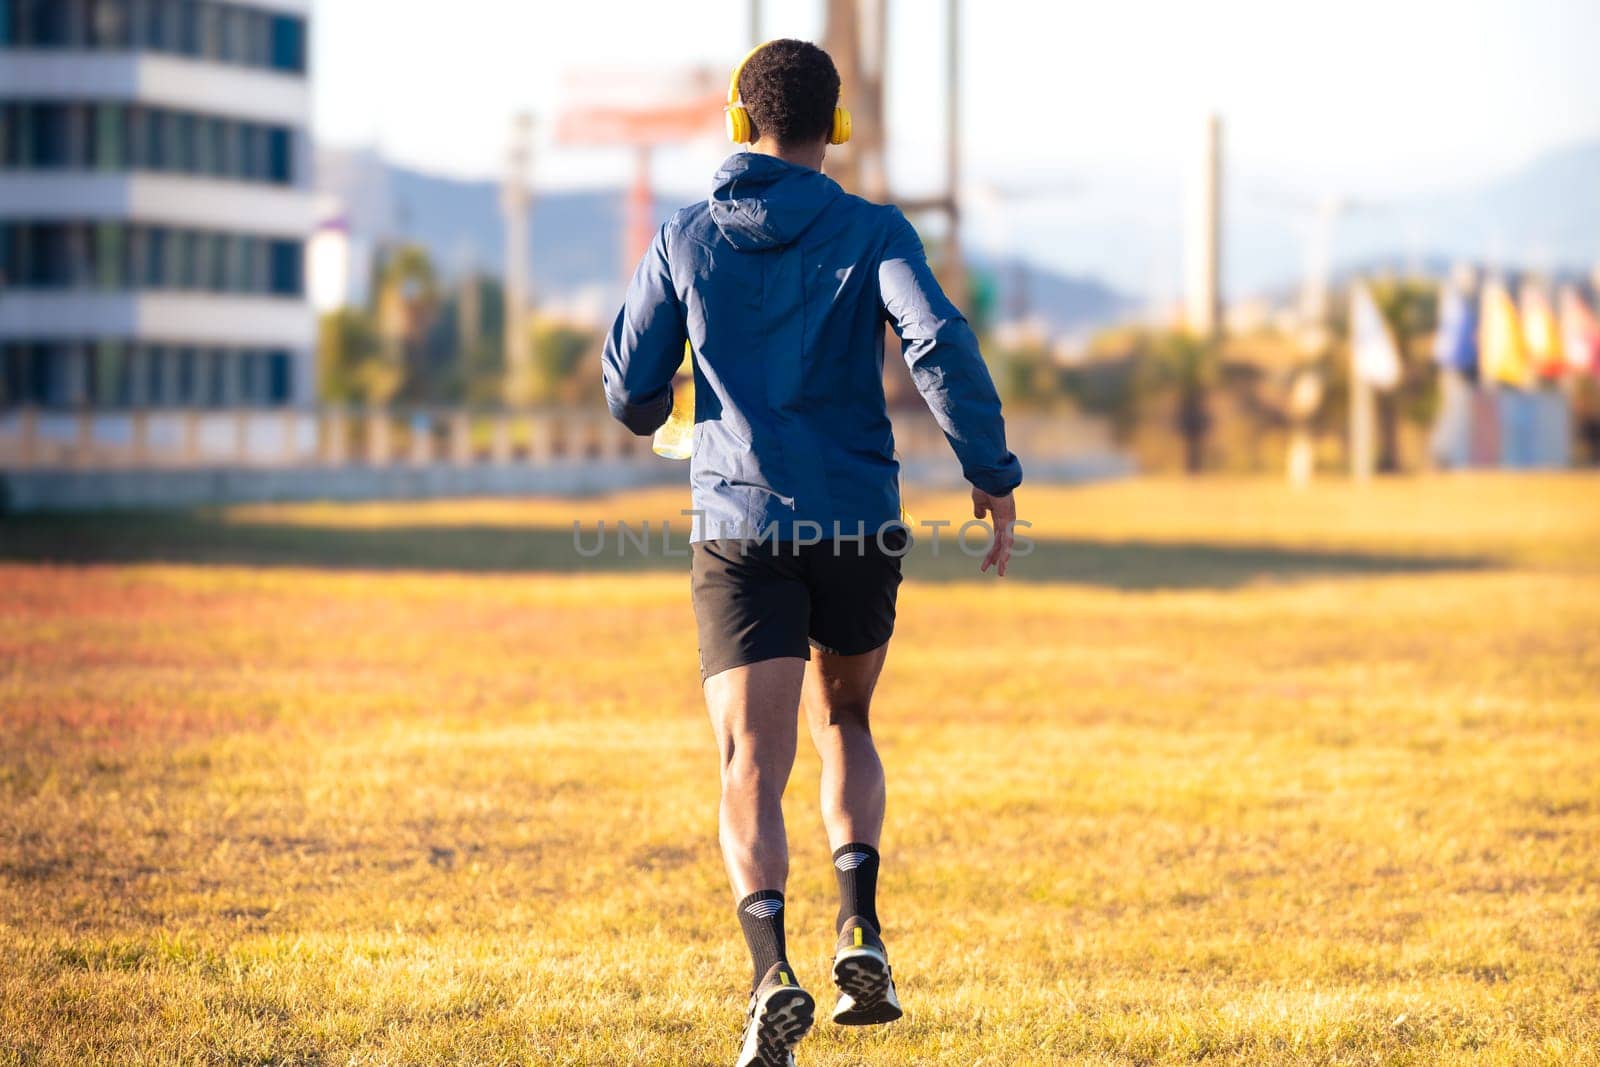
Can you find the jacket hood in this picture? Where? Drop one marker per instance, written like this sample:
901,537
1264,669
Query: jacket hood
763,202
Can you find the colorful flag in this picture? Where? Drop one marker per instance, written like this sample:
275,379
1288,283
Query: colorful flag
1501,349
1580,333
1540,334
1455,345
1374,356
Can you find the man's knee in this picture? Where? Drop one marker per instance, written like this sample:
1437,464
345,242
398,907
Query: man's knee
747,771
841,714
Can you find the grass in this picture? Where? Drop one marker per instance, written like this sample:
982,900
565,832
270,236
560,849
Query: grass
1222,774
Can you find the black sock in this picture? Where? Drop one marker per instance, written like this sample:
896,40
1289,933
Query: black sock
761,916
857,867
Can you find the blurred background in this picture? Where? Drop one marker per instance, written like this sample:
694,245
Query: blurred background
368,248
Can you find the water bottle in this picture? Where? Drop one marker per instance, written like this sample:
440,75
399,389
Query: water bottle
675,438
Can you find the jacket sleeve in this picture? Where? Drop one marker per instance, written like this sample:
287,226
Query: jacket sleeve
645,345
946,366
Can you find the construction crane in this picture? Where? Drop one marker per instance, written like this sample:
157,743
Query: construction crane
515,206
855,33
670,109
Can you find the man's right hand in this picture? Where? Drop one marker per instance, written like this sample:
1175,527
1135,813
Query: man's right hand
1002,513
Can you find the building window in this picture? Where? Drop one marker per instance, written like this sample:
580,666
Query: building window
218,369
288,51
210,43
250,277
222,273
110,130
196,29
185,155
112,384
207,157
51,374
153,272
158,140
234,27
252,151
48,135
259,39
156,386
185,268
280,378
188,28
279,168
110,256
118,373
284,268
154,34
188,376
120,255
51,23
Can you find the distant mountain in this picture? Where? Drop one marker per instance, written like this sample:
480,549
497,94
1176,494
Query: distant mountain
1125,226
1066,303
576,236
1545,216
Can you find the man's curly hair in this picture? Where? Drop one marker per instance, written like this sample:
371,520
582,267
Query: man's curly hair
790,89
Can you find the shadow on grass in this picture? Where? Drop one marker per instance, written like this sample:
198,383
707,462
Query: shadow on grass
205,538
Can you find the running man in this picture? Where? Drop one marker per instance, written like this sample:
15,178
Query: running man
782,283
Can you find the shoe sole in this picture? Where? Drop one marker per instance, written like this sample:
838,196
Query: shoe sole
782,1019
863,976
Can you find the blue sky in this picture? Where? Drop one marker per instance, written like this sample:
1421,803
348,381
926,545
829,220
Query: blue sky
1357,98
1382,96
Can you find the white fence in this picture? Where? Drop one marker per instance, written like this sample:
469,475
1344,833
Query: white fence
155,439
168,439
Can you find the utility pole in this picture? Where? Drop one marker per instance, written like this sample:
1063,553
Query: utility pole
955,268
1363,426
1203,249
515,202
950,266
1305,392
1202,291
841,37
856,35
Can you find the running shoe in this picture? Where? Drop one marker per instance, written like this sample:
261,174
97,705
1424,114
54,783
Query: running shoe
780,1014
861,971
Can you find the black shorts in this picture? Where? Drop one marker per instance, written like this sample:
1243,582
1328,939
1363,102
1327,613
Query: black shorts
757,600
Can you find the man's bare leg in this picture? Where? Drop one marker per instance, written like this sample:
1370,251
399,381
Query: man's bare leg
838,699
753,714
754,710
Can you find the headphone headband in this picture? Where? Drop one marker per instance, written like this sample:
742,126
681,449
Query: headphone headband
733,82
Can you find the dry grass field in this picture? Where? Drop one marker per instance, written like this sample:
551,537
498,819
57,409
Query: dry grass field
1221,774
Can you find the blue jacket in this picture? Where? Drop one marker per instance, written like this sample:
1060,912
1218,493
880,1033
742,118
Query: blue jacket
782,282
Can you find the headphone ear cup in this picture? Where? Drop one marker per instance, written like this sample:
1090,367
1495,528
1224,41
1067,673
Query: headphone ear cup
841,126
738,124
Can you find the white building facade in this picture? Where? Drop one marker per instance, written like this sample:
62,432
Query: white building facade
155,204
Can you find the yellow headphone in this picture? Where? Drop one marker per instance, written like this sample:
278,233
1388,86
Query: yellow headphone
740,128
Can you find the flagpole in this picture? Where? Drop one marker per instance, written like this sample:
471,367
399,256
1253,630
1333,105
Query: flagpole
1362,406
1362,424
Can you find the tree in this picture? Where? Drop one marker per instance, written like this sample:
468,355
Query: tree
353,366
1411,308
564,365
408,307
1183,364
474,317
